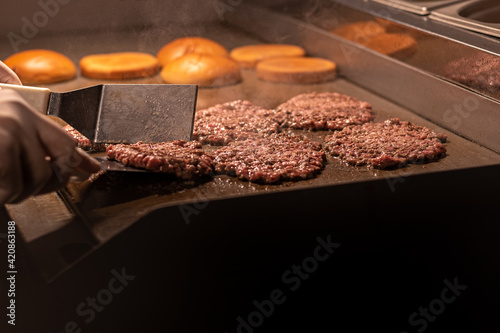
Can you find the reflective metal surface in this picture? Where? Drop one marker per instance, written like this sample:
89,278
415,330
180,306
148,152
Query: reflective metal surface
479,16
421,7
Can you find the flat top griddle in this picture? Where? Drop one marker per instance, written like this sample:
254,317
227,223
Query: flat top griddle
110,201
94,211
121,197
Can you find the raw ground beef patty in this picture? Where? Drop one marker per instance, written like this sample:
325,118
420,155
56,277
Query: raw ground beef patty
323,111
275,158
387,144
236,120
182,159
83,142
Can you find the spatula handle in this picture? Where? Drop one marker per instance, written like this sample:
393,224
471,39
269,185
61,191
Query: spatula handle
36,97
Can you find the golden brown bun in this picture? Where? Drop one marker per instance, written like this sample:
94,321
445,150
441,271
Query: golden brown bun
395,45
248,56
203,70
182,46
119,66
296,70
41,66
359,32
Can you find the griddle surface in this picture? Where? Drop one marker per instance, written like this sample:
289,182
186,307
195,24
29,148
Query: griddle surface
113,201
125,197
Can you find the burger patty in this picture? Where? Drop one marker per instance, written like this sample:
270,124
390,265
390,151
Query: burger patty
83,142
478,72
182,159
323,111
274,158
236,120
388,144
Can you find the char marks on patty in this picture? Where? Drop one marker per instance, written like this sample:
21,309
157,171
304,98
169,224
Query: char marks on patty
323,111
182,159
236,120
387,144
272,159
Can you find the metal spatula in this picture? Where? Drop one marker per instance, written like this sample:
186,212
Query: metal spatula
111,113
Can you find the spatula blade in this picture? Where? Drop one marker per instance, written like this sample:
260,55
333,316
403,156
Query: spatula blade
112,113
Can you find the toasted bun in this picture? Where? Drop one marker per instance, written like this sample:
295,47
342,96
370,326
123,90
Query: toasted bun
118,66
182,46
248,56
203,70
359,32
296,70
395,45
41,66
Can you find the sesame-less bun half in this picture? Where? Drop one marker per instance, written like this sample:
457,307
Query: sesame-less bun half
203,70
182,46
41,66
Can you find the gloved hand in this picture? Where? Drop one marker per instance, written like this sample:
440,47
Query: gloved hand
36,155
7,75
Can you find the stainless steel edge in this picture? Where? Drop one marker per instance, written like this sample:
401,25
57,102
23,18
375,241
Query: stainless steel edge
417,7
450,15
